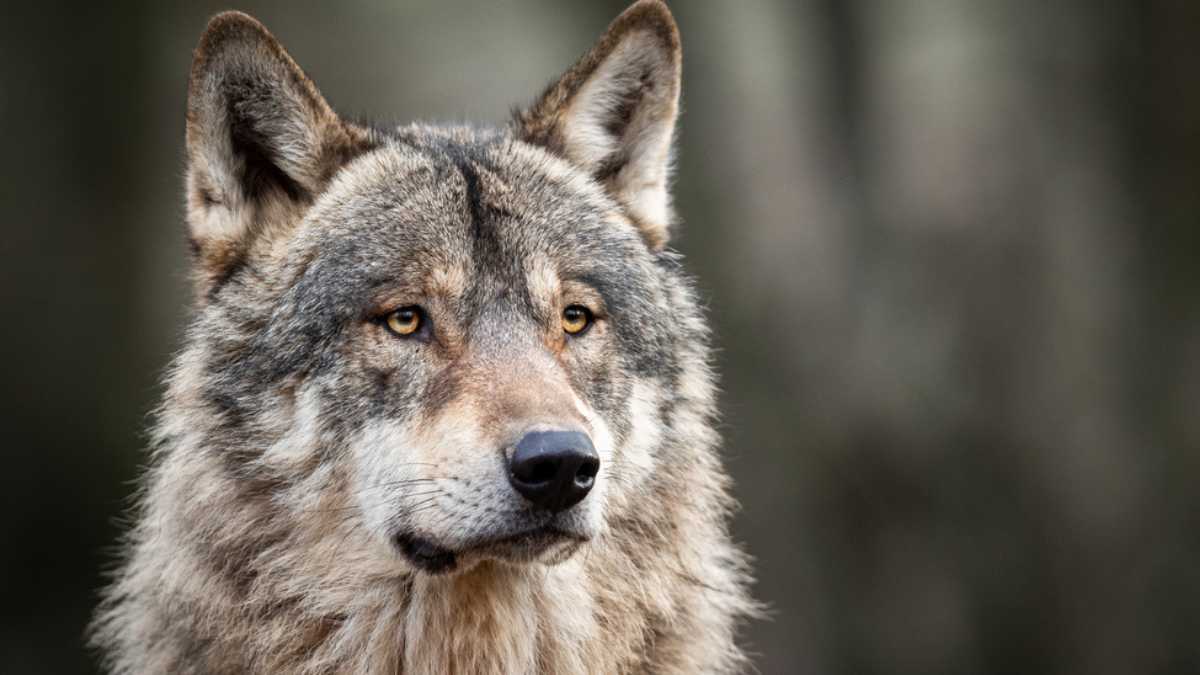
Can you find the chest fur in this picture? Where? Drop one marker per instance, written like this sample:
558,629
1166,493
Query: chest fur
498,619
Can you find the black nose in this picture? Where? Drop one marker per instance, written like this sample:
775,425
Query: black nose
554,470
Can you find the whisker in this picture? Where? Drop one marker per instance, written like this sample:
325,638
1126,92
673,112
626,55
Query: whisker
405,481
339,509
426,493
420,506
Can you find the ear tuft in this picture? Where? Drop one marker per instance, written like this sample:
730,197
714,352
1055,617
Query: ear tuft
262,143
613,114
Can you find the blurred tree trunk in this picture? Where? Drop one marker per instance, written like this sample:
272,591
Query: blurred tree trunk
962,200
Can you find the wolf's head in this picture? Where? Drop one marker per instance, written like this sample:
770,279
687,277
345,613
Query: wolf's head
464,343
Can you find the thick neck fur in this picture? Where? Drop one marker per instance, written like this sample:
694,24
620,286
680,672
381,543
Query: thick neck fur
501,619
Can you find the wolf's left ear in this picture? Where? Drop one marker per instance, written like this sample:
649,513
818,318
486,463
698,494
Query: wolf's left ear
613,114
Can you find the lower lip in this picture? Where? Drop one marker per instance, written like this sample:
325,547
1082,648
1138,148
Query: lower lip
434,559
425,555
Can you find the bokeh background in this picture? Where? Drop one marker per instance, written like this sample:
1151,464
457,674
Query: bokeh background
950,249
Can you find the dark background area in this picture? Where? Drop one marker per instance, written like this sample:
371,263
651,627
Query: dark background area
950,251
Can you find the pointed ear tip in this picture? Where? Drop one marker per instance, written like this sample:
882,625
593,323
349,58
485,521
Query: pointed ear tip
659,7
653,15
232,23
229,28
232,41
649,12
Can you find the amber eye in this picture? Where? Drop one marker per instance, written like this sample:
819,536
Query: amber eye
404,321
576,319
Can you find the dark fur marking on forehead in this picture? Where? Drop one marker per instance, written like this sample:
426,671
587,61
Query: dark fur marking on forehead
471,177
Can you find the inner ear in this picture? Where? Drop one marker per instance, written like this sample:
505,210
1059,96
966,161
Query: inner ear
613,114
261,169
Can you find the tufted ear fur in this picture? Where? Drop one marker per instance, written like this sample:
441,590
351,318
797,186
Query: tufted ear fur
261,142
613,114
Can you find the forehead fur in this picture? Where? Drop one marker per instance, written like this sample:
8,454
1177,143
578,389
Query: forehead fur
447,184
462,209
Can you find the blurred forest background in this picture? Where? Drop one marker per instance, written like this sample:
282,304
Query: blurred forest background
951,251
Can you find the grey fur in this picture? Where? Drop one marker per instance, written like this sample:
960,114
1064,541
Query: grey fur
299,440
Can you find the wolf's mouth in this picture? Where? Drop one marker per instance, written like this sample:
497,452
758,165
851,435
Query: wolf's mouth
432,558
426,555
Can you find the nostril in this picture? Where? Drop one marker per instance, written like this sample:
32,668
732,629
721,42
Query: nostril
587,472
543,471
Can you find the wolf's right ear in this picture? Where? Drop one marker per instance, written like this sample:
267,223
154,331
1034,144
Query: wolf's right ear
261,141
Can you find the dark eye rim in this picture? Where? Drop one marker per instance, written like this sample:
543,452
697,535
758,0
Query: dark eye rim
589,318
422,322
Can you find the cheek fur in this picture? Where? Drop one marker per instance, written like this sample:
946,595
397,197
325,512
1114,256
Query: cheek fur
429,478
637,456
302,439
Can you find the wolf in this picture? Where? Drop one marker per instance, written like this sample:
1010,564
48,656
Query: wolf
445,404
